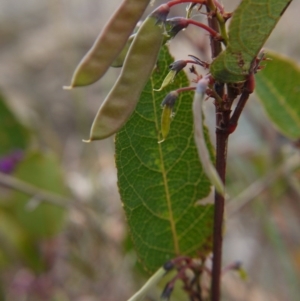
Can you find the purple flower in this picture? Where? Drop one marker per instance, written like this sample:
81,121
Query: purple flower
9,162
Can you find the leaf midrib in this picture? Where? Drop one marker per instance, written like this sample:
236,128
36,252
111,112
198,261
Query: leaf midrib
285,105
165,181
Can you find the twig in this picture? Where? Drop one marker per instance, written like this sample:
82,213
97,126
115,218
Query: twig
260,185
32,190
252,191
38,196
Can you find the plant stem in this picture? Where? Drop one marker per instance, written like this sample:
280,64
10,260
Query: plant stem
239,108
214,44
212,7
221,152
221,157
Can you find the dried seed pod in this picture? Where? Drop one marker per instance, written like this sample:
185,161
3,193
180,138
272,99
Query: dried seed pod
109,43
139,63
204,157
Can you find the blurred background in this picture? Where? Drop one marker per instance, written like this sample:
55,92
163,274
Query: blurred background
68,239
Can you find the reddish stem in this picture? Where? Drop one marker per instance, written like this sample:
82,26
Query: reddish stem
219,6
185,89
191,62
221,158
215,45
212,32
221,152
238,111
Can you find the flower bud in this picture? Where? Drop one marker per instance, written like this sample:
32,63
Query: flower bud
170,99
161,13
174,25
178,65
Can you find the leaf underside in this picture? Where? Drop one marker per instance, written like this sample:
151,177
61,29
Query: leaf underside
160,183
250,27
278,88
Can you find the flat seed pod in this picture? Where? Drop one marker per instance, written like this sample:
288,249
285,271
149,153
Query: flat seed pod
119,60
109,43
139,63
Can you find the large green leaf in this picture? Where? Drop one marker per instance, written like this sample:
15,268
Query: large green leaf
251,25
278,88
160,183
13,135
43,172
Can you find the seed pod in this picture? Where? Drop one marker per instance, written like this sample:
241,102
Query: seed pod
109,43
119,60
175,67
151,282
168,80
203,153
139,63
167,114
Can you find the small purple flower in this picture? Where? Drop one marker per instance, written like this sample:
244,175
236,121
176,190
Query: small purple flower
9,162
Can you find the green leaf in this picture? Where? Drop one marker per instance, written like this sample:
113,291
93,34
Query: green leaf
250,27
43,172
13,134
278,88
17,245
11,236
160,183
